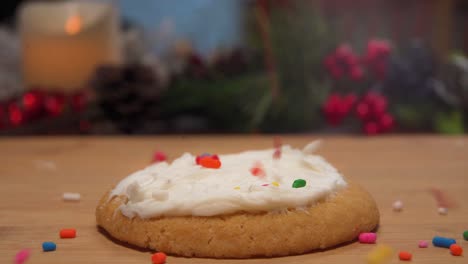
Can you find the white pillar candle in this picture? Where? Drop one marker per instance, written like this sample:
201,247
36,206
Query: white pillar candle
63,42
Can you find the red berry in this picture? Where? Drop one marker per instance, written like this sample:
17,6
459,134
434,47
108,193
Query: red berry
356,73
386,123
15,115
363,111
349,100
336,72
371,128
159,156
344,51
379,106
54,104
78,101
32,102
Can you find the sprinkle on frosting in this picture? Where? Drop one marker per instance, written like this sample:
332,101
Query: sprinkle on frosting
184,188
299,183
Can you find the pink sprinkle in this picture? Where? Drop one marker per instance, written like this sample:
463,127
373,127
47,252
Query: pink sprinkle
423,244
266,184
22,256
367,238
159,156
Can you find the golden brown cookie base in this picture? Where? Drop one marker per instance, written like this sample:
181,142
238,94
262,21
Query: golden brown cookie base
328,223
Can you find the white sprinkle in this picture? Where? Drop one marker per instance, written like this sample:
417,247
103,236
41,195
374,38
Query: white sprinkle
45,164
68,196
442,210
312,147
397,206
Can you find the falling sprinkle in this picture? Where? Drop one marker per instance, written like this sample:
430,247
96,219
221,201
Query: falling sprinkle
277,145
442,210
275,184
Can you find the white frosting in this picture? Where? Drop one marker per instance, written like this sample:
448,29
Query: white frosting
185,188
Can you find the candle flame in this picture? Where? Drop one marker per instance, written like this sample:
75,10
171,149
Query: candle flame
73,25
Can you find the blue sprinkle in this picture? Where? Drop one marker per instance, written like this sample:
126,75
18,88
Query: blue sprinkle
48,246
443,242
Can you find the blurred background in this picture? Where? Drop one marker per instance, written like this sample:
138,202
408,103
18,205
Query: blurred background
367,67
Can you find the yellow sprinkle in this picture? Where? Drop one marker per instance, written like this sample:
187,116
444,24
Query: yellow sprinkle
237,188
380,254
275,184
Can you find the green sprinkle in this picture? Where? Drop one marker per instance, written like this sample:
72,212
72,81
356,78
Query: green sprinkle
299,183
465,235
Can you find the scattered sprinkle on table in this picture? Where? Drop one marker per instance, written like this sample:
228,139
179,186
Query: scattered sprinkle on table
72,197
48,246
397,206
22,256
380,254
367,238
423,244
404,255
465,235
442,210
443,241
299,183
68,233
158,258
456,250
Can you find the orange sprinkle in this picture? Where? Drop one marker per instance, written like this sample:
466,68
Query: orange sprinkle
456,250
68,233
209,162
405,255
73,25
158,258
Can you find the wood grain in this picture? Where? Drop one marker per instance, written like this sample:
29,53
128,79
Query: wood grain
34,173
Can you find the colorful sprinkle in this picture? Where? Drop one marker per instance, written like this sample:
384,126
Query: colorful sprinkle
209,162
158,258
367,238
48,246
237,188
73,197
159,156
266,184
277,145
397,206
22,256
379,254
404,255
465,235
257,169
456,250
423,244
441,198
442,210
443,242
276,184
299,183
68,233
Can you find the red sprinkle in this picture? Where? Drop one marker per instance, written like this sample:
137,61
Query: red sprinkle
159,156
257,169
456,250
158,258
209,162
68,233
405,255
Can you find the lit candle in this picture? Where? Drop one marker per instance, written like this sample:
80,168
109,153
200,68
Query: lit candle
63,42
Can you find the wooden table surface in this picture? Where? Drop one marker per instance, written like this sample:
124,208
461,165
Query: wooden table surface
34,173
